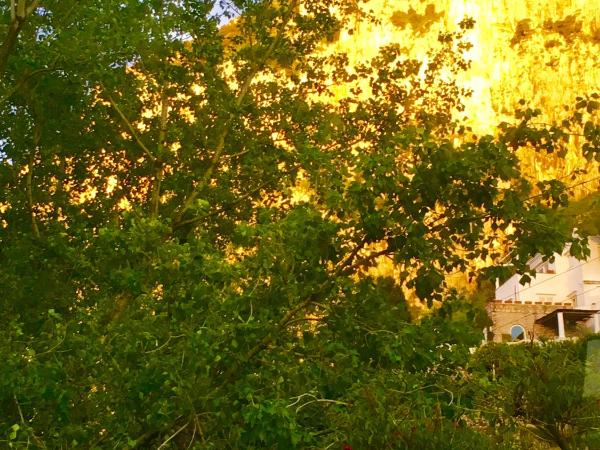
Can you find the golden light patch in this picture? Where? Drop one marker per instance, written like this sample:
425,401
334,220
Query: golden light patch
111,183
302,191
166,196
158,292
124,204
87,195
175,147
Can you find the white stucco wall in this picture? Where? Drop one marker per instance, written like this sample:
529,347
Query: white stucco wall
591,271
544,287
573,279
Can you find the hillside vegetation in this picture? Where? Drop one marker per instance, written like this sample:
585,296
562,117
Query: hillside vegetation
189,237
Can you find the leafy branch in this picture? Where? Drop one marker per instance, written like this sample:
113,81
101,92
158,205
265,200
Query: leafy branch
128,125
19,12
244,89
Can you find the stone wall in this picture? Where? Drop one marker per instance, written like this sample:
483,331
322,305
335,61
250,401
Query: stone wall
505,315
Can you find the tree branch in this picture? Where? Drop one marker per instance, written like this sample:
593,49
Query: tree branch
263,343
9,43
188,202
29,181
162,135
289,316
241,199
163,445
128,125
24,80
18,16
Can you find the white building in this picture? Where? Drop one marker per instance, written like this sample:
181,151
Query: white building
562,300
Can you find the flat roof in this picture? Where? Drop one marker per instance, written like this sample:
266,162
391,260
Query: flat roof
575,315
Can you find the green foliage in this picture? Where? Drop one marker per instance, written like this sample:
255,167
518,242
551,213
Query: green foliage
537,389
220,310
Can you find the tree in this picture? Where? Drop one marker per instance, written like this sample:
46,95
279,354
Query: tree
164,283
537,391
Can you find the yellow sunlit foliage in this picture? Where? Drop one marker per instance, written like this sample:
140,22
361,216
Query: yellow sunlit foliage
519,50
543,51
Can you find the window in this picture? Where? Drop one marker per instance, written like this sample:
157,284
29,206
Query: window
517,333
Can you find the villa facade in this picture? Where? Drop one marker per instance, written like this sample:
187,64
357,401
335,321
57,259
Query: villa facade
561,301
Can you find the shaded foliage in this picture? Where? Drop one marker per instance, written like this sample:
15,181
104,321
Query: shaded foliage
191,216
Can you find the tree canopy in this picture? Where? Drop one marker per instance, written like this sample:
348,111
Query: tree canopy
190,214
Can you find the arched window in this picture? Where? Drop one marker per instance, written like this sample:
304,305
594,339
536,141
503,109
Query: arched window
517,333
